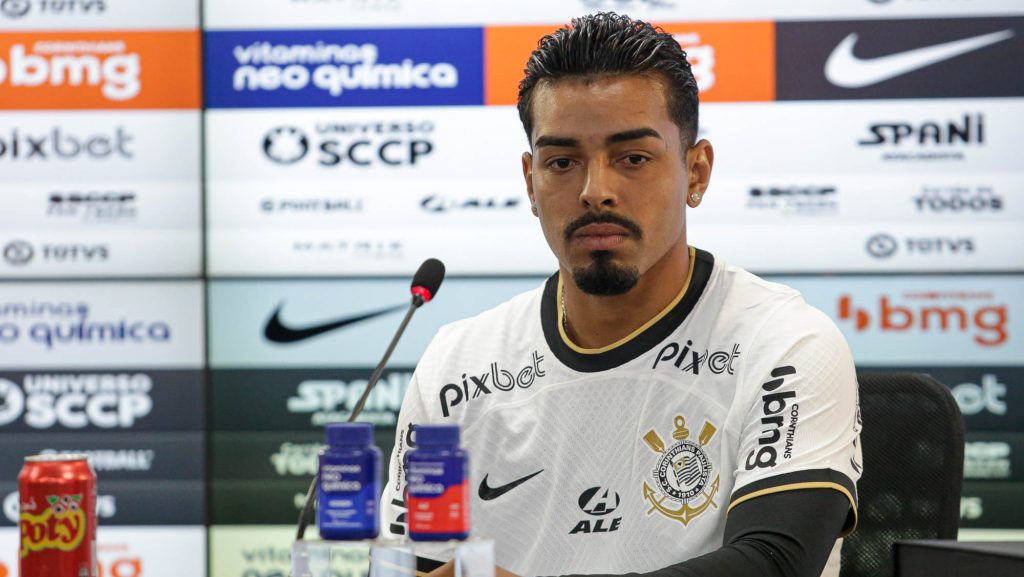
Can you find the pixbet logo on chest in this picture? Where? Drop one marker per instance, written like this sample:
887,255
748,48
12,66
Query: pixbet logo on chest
453,394
717,362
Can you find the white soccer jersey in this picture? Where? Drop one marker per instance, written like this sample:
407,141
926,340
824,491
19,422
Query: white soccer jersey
628,458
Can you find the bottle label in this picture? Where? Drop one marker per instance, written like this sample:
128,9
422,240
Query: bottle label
348,495
438,496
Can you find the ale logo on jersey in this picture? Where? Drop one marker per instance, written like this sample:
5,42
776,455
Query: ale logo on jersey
681,487
974,314
90,70
301,68
597,503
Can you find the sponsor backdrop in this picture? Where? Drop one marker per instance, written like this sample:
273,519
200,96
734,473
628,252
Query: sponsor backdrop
206,234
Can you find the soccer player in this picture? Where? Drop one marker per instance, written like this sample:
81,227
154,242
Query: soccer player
649,408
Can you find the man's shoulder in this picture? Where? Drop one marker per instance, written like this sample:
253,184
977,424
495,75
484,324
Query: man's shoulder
513,312
770,307
489,331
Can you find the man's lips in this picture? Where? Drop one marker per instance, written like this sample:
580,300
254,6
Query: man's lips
601,236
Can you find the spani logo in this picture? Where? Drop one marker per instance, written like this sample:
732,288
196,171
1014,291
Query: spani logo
285,145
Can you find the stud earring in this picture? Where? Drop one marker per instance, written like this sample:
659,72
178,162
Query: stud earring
695,197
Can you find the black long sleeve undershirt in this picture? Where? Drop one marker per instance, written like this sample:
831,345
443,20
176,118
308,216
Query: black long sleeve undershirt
787,534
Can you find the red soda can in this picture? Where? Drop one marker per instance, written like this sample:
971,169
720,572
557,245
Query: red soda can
57,494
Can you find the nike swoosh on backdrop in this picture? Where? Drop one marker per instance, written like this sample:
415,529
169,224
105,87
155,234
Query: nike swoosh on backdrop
277,332
845,70
487,493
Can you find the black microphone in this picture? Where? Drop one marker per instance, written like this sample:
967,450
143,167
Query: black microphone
425,284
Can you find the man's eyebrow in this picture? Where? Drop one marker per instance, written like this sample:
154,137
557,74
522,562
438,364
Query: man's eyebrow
555,141
634,134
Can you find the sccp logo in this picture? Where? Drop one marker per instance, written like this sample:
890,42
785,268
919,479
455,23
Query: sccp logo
882,246
285,145
12,402
15,8
360,144
77,401
18,252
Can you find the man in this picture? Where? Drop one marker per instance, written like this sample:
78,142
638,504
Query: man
649,408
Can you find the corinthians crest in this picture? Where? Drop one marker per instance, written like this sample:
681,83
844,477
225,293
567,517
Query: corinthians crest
682,474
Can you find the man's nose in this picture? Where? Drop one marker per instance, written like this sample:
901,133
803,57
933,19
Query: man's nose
599,190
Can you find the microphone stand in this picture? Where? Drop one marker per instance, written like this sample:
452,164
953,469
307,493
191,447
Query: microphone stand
307,507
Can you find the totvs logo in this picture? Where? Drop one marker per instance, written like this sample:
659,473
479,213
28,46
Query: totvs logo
923,312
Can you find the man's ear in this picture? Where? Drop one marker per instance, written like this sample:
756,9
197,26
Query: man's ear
527,160
700,158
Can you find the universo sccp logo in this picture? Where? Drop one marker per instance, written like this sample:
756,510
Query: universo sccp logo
390,143
285,144
106,401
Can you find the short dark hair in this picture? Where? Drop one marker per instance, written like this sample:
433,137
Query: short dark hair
609,44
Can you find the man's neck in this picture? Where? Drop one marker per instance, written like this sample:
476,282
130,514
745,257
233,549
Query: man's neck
595,322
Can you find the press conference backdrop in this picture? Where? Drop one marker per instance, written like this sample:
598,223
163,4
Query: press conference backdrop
184,185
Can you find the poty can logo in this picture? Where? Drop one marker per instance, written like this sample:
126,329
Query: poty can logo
60,526
345,68
89,70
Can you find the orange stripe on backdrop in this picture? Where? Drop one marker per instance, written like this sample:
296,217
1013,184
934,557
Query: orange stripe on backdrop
99,70
732,61
506,50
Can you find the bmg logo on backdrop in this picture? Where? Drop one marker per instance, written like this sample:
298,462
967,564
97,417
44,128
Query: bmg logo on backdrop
110,65
923,312
402,143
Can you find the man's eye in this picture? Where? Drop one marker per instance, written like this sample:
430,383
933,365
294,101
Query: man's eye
561,163
636,159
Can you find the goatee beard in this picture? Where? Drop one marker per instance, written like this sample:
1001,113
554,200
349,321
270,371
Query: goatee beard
603,277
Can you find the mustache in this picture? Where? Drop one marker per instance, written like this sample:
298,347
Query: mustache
588,218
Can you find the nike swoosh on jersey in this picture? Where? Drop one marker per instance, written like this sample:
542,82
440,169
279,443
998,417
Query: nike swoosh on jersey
277,332
846,70
487,493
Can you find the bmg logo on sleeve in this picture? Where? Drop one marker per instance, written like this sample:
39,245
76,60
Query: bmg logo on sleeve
301,68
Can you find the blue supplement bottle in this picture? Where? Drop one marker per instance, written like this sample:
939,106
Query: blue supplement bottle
437,490
349,484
